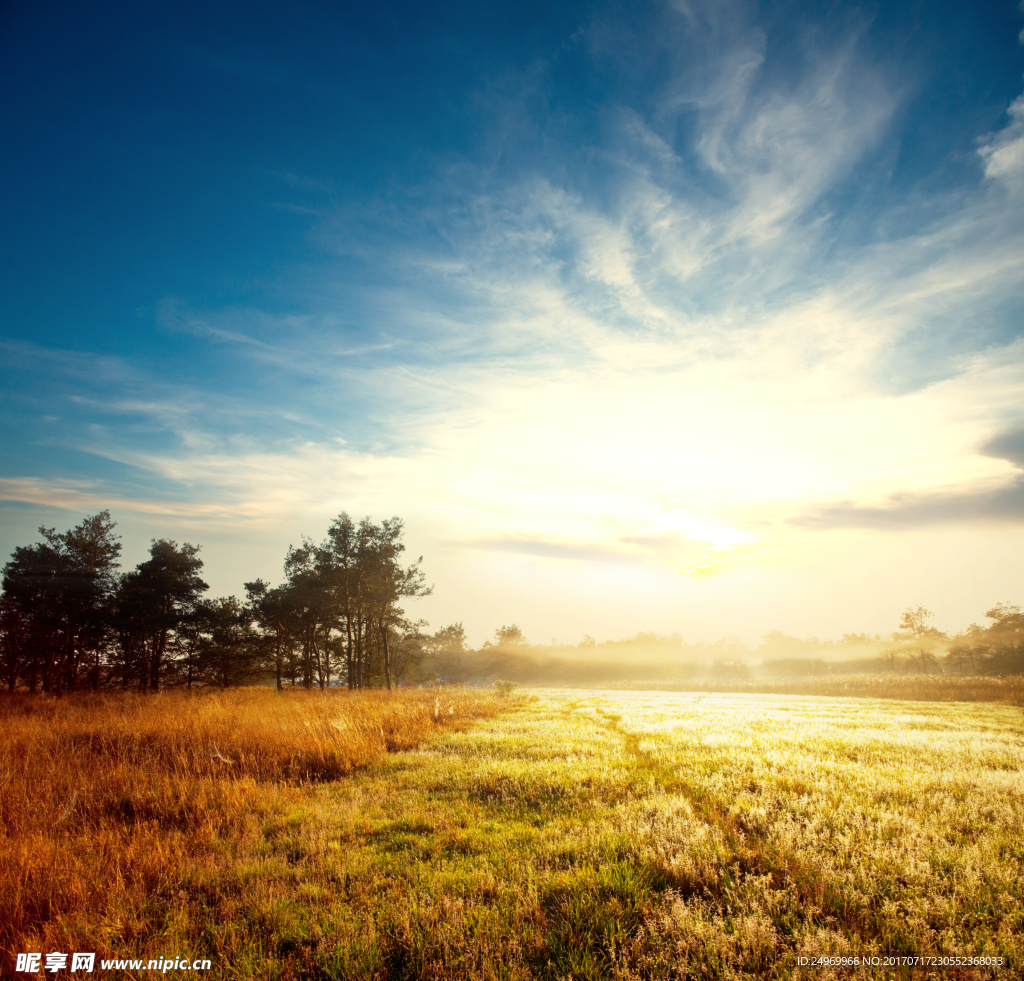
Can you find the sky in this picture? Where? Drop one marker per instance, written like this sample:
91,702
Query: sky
696,317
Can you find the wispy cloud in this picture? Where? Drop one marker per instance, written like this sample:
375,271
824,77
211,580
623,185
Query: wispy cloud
1003,152
675,356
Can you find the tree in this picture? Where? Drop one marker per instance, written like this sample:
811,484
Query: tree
446,650
920,640
408,651
345,549
65,614
388,582
448,640
510,636
892,655
56,609
227,653
1006,617
967,650
15,642
307,602
915,622
155,599
1005,639
268,608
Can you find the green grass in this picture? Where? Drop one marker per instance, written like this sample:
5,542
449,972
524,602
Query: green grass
622,836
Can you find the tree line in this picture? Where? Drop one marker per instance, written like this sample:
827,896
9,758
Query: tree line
915,647
69,619
997,649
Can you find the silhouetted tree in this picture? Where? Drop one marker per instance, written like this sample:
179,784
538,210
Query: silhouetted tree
307,602
967,650
388,582
510,636
56,608
346,549
268,609
65,614
228,648
15,642
1005,639
445,651
892,655
920,640
155,599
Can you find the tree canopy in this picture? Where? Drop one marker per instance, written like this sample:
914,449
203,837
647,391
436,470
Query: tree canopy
67,617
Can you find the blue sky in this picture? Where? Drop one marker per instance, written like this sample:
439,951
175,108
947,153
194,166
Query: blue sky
694,316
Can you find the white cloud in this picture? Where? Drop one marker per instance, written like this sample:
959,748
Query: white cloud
659,377
1003,152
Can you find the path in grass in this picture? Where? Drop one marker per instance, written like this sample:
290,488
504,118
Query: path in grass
610,834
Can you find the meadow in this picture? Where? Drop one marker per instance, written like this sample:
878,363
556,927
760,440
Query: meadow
456,834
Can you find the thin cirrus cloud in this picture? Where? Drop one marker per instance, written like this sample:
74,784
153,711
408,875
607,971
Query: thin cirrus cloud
666,340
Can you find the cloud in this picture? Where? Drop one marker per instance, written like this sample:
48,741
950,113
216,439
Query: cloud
84,496
674,362
779,150
1007,446
24,356
910,511
669,548
902,510
1003,151
548,549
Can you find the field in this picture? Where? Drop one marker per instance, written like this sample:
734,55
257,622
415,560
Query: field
561,834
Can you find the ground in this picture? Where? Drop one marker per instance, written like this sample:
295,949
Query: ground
630,835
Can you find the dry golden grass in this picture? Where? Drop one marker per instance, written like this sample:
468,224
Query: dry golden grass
579,835
906,685
793,827
113,805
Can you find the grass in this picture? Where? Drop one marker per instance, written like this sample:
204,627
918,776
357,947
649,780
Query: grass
123,816
585,835
929,687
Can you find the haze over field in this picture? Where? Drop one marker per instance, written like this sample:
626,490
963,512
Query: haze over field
694,317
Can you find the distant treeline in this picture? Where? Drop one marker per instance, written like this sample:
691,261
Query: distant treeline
913,648
69,619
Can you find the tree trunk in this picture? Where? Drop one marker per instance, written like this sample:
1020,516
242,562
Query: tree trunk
318,660
277,656
48,670
71,680
33,677
348,649
159,644
387,652
359,652
307,667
